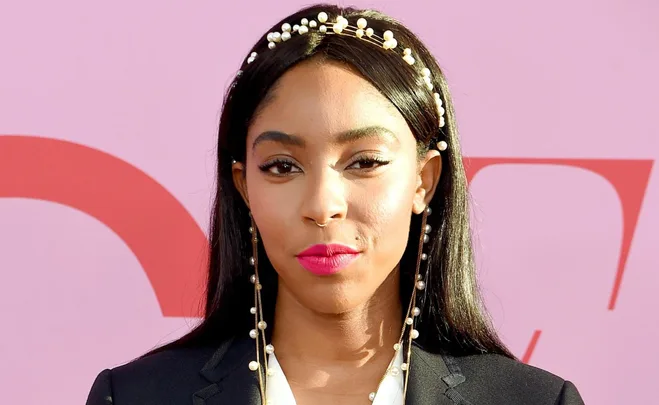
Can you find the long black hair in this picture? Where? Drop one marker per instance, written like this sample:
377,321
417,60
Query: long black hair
453,319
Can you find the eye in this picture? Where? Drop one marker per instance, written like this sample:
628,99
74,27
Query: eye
368,163
279,167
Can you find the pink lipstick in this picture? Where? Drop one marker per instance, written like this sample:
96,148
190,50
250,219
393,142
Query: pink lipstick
324,260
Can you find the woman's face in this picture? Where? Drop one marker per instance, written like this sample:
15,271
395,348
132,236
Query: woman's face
328,148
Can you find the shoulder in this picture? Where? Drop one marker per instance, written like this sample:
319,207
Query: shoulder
159,378
169,362
493,378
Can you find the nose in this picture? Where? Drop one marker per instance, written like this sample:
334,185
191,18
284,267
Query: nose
324,199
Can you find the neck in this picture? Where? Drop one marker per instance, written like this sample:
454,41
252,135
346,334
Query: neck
356,338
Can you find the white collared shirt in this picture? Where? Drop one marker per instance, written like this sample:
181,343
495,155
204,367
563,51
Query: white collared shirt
390,391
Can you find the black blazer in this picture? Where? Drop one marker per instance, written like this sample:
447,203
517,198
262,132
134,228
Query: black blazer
220,376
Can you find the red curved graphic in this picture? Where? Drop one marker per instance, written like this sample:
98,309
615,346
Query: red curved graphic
531,347
629,178
166,240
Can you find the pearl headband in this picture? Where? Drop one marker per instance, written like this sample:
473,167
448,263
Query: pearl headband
342,27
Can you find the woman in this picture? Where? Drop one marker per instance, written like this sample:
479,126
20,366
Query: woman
340,237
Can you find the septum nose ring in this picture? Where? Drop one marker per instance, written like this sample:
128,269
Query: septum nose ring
321,225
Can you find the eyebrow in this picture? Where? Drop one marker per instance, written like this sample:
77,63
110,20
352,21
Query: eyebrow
351,135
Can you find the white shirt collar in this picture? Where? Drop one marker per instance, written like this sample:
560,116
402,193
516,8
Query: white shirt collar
390,391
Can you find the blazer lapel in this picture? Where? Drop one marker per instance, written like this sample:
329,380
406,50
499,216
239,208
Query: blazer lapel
433,379
232,382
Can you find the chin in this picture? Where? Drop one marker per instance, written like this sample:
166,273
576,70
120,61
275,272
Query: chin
335,300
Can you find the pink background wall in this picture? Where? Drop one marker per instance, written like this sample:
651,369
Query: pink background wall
94,233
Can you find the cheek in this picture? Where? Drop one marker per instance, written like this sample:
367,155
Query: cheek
387,210
270,205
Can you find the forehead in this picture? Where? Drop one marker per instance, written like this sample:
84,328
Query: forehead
320,98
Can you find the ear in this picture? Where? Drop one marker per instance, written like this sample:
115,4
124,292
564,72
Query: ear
430,169
240,180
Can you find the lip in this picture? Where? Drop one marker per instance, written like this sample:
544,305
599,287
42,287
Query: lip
329,259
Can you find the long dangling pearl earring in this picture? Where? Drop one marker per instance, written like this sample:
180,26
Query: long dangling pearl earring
409,332
258,333
414,311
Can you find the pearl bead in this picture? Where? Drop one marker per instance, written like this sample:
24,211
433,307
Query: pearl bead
429,210
441,122
305,21
362,23
252,310
396,346
424,256
409,59
251,230
407,52
276,37
252,278
420,285
359,33
322,29
258,286
371,396
426,238
425,72
285,36
262,325
286,27
337,28
269,349
253,334
428,229
313,24
270,372
269,37
369,32
303,30
409,321
419,277
442,145
296,27
253,365
388,35
404,367
393,43
251,259
322,17
416,311
415,333
394,371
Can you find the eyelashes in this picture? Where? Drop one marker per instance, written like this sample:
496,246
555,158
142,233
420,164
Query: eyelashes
285,167
369,163
280,167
